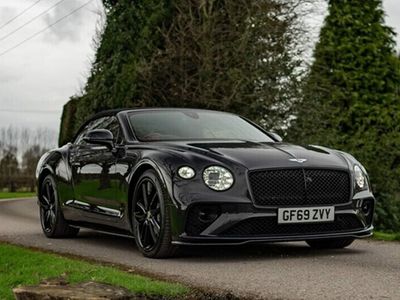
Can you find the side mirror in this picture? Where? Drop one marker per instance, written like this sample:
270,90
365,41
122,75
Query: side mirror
276,137
100,137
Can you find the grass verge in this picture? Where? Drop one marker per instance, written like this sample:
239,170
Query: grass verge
20,266
7,195
385,236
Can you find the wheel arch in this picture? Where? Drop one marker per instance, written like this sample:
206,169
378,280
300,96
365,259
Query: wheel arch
46,170
50,164
142,167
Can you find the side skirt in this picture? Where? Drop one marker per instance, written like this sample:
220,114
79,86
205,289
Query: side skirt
102,228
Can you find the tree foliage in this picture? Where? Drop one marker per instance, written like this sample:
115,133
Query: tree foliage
30,159
9,162
68,121
227,55
239,56
129,39
351,100
20,151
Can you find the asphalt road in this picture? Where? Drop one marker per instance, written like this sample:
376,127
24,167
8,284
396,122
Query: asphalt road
367,270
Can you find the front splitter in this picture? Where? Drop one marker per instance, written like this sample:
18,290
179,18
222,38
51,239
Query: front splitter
220,241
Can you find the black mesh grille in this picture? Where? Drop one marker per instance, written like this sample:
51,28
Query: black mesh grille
268,226
292,187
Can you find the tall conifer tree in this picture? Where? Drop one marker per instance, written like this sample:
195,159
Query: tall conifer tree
351,99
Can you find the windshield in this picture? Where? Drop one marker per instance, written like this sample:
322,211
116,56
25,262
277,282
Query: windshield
169,125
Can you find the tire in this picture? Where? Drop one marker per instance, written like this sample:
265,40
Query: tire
330,243
151,221
51,217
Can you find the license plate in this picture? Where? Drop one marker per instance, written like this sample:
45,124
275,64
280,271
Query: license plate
306,214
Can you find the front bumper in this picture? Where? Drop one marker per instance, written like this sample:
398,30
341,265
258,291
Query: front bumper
243,223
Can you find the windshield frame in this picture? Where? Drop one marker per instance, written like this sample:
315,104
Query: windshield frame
145,111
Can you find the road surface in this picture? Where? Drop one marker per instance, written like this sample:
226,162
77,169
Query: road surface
367,270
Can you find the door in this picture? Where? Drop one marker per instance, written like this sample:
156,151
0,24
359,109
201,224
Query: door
93,169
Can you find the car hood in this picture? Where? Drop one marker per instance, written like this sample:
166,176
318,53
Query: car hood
267,155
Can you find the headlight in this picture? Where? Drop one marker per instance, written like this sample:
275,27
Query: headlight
359,177
186,172
218,178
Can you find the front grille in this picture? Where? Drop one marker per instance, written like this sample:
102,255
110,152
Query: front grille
292,187
262,226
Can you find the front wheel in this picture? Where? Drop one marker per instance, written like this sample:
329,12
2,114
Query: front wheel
51,217
151,221
330,243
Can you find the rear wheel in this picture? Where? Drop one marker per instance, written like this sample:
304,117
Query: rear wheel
150,217
330,243
51,218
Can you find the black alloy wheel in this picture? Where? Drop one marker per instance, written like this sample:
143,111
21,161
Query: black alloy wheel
151,222
51,217
48,205
148,215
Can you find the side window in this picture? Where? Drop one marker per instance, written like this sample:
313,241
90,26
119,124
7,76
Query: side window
111,123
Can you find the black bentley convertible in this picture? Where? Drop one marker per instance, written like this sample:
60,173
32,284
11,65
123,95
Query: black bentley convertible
172,177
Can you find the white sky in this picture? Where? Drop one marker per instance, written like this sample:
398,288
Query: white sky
37,78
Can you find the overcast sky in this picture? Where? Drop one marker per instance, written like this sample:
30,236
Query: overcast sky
38,77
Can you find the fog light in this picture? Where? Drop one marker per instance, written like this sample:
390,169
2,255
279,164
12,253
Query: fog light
366,207
207,217
201,216
208,214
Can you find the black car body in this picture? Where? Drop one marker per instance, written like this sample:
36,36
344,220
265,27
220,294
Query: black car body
95,180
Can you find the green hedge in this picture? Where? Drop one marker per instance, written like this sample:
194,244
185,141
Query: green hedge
203,54
68,122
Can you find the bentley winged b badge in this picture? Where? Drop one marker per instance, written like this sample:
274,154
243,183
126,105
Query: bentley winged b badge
299,160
